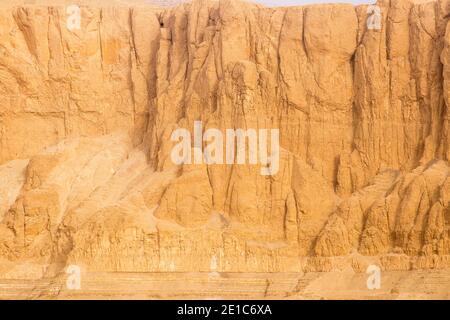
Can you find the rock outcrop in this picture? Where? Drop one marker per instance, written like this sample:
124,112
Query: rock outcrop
86,175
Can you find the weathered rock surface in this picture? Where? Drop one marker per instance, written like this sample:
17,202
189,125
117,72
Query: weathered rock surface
87,115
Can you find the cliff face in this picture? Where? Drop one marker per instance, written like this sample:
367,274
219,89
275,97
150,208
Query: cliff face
87,115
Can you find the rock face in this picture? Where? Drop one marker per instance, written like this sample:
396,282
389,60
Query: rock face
86,175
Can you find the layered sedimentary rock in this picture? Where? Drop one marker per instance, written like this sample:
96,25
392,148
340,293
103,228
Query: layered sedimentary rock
86,175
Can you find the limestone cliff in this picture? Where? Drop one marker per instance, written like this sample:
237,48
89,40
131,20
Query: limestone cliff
87,116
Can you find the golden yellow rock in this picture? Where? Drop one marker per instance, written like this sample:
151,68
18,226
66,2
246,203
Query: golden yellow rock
87,176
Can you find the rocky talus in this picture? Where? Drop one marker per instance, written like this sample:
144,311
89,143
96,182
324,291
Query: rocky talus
87,114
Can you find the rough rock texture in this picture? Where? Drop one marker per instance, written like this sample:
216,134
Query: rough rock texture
86,118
